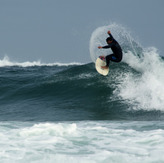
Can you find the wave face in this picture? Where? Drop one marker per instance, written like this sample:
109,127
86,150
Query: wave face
133,90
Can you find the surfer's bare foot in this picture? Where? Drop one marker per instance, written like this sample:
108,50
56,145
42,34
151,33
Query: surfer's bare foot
104,67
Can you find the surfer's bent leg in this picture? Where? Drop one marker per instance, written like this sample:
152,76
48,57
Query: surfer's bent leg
113,58
108,59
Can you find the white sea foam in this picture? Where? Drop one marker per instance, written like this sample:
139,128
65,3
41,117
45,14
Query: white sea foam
84,142
7,62
146,90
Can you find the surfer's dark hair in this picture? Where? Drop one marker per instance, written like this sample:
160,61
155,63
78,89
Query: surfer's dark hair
109,39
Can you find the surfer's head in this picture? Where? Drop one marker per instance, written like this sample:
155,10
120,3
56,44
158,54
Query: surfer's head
109,40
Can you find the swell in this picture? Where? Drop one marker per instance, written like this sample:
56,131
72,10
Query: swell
77,92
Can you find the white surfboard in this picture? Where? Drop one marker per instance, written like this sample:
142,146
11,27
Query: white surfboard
101,62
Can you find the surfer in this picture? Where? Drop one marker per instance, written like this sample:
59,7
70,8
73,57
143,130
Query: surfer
117,51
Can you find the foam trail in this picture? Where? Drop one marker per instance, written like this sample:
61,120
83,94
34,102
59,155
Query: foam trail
6,62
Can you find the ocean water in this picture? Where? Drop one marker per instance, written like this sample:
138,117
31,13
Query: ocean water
54,112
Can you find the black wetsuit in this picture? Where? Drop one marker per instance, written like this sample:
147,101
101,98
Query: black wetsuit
117,51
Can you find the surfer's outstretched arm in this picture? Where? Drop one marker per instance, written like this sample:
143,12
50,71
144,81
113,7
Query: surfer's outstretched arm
105,47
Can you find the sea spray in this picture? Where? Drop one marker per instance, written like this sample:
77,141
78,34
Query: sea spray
120,33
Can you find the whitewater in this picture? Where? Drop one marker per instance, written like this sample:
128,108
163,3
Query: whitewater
68,113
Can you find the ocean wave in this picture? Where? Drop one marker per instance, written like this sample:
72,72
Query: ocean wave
132,90
80,93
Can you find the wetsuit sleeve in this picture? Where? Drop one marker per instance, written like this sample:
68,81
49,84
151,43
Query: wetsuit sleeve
106,47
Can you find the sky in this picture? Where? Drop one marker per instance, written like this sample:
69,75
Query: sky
60,30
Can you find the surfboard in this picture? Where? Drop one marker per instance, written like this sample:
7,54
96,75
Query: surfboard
101,62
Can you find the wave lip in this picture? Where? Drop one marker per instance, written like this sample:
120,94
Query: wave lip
6,62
